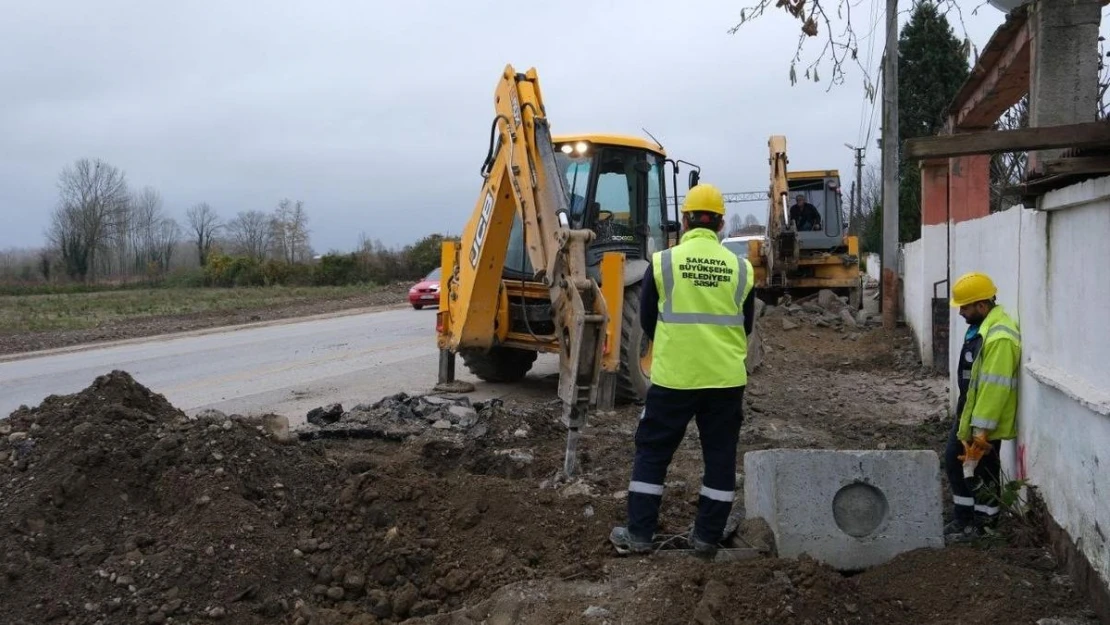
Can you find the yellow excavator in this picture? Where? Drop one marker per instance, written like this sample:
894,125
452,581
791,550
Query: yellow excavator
552,258
806,255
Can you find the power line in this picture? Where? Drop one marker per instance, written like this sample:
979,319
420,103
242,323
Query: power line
874,18
870,68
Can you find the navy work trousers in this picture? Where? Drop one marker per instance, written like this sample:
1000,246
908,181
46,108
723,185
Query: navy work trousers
975,499
667,412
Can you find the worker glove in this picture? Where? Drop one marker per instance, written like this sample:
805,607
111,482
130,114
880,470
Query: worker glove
973,451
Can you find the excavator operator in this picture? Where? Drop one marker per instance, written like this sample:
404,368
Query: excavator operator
804,215
697,305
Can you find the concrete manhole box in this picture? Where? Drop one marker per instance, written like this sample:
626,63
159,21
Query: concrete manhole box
850,509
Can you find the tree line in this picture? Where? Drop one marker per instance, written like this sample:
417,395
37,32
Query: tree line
744,226
103,233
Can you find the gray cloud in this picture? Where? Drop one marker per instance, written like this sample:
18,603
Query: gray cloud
370,111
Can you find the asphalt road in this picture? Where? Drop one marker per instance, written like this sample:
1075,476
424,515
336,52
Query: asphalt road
283,368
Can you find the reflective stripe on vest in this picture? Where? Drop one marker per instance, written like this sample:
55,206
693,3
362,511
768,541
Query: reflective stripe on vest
1001,328
669,316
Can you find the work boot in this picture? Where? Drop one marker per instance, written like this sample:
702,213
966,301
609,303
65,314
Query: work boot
702,549
958,531
623,540
986,522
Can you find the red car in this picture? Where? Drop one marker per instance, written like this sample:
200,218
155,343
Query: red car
425,292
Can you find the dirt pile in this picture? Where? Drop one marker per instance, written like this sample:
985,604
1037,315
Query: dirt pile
950,586
119,508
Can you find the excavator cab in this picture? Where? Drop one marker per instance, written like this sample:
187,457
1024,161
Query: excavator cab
616,188
820,189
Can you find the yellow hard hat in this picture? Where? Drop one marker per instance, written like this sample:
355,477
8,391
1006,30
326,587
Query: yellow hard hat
972,287
706,198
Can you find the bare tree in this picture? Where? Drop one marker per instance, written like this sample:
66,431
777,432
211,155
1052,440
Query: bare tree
1103,80
93,198
750,226
19,264
123,241
46,264
290,231
251,232
146,217
204,224
735,222
1008,169
301,249
165,240
842,36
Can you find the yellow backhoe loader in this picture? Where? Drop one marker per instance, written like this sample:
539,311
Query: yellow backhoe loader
805,255
552,258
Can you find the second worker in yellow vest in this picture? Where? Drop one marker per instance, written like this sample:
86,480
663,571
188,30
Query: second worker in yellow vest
698,307
986,409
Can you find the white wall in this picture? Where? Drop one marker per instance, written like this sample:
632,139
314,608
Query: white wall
1065,386
915,299
1051,267
924,264
874,267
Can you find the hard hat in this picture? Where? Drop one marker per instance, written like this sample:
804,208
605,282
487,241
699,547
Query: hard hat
972,287
706,198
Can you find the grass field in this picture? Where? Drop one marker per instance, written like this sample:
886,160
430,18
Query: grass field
78,311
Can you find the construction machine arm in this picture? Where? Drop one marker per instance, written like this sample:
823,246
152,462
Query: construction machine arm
521,178
782,243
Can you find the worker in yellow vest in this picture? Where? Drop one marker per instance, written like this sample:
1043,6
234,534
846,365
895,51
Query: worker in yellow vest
986,410
697,305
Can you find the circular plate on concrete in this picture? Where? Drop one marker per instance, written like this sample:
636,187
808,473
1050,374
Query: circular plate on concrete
859,509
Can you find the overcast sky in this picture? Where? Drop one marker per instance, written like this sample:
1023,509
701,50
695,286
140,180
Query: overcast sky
369,111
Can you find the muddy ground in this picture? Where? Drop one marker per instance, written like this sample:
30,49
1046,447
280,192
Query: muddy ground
117,508
15,343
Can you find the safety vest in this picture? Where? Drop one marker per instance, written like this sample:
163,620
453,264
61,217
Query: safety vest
699,338
992,391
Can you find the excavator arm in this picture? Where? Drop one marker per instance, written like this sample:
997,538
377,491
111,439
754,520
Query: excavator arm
521,178
782,242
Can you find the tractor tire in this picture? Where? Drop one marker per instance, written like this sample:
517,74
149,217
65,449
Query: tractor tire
499,364
632,382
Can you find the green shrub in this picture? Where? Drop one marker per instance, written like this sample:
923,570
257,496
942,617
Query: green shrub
338,269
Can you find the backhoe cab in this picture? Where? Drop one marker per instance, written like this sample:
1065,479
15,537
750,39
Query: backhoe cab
552,257
802,257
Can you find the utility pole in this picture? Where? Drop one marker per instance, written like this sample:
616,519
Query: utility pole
890,169
852,212
857,192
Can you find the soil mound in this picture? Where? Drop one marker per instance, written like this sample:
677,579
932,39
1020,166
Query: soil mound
120,508
115,507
